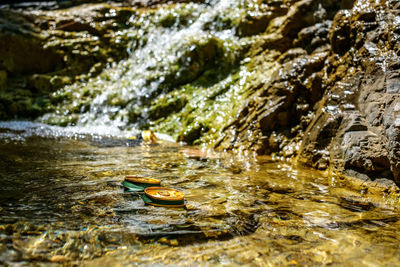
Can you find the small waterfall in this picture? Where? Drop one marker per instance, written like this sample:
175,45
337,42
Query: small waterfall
184,61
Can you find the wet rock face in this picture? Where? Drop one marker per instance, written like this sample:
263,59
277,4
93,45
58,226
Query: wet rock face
335,96
367,138
41,52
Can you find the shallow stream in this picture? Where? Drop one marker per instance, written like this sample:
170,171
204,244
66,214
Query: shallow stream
61,202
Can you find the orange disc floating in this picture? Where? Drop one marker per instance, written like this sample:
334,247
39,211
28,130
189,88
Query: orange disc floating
163,196
142,180
134,183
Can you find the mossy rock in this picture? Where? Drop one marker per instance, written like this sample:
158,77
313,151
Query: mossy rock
61,120
166,105
192,133
252,25
40,83
3,79
200,55
25,54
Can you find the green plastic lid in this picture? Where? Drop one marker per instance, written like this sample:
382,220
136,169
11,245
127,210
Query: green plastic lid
163,197
137,184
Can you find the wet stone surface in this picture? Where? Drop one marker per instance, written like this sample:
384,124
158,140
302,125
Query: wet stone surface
61,201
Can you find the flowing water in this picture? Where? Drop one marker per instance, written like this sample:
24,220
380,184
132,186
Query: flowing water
186,72
61,202
61,199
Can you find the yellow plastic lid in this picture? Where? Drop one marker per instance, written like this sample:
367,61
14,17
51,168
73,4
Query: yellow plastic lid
149,137
141,180
164,193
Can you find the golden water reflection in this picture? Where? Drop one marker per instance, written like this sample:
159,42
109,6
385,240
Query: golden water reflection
62,201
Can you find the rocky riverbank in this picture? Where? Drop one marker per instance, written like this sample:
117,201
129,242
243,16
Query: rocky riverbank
313,81
333,100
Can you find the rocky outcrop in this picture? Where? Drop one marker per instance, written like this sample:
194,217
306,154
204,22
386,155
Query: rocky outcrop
334,101
42,51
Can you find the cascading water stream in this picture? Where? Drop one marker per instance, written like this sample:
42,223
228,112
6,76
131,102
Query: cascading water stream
171,48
